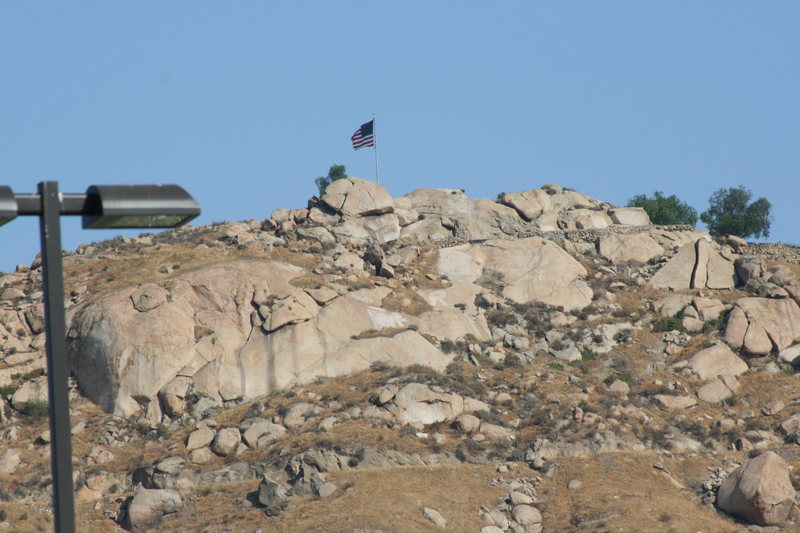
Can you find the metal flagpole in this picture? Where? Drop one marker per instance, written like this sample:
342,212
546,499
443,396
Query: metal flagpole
375,146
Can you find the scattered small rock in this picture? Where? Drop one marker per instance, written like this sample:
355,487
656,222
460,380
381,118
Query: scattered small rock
434,516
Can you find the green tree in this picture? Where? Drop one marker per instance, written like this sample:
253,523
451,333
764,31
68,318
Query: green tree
730,211
665,210
336,172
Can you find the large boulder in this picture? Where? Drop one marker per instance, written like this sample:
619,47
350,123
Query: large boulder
34,390
529,204
417,405
758,325
716,360
583,219
621,248
358,197
150,505
524,270
629,216
760,491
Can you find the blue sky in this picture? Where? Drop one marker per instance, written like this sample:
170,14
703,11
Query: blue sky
245,103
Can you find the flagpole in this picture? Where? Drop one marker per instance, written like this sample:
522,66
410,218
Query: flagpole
375,146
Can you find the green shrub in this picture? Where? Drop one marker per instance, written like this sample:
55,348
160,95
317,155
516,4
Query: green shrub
36,409
7,391
717,324
336,172
668,324
621,375
587,354
555,366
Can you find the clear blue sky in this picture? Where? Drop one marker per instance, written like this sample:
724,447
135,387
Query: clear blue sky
244,103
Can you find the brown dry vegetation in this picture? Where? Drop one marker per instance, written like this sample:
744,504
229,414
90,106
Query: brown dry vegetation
621,491
405,300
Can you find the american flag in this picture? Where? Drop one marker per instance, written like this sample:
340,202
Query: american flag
364,136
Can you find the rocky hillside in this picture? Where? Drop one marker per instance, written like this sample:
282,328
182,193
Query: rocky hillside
544,362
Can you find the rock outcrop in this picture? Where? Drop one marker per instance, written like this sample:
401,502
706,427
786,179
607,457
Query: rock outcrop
697,265
553,207
525,270
759,325
235,331
447,213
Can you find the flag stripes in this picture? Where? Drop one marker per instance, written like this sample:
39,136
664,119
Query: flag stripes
364,136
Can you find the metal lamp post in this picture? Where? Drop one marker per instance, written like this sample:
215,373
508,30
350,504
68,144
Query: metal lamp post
102,206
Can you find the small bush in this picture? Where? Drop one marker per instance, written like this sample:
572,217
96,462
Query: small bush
453,369
447,346
408,431
32,374
717,324
379,366
36,409
668,324
580,365
555,366
461,455
622,376
558,345
658,437
482,302
474,447
492,280
623,336
587,354
501,317
7,391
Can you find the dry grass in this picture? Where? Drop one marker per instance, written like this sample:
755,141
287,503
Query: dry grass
309,281
405,300
110,271
375,333
390,499
623,492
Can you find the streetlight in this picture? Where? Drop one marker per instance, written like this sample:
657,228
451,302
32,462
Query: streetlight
102,206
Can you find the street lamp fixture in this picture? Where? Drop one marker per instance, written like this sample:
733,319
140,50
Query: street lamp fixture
8,206
102,206
138,206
